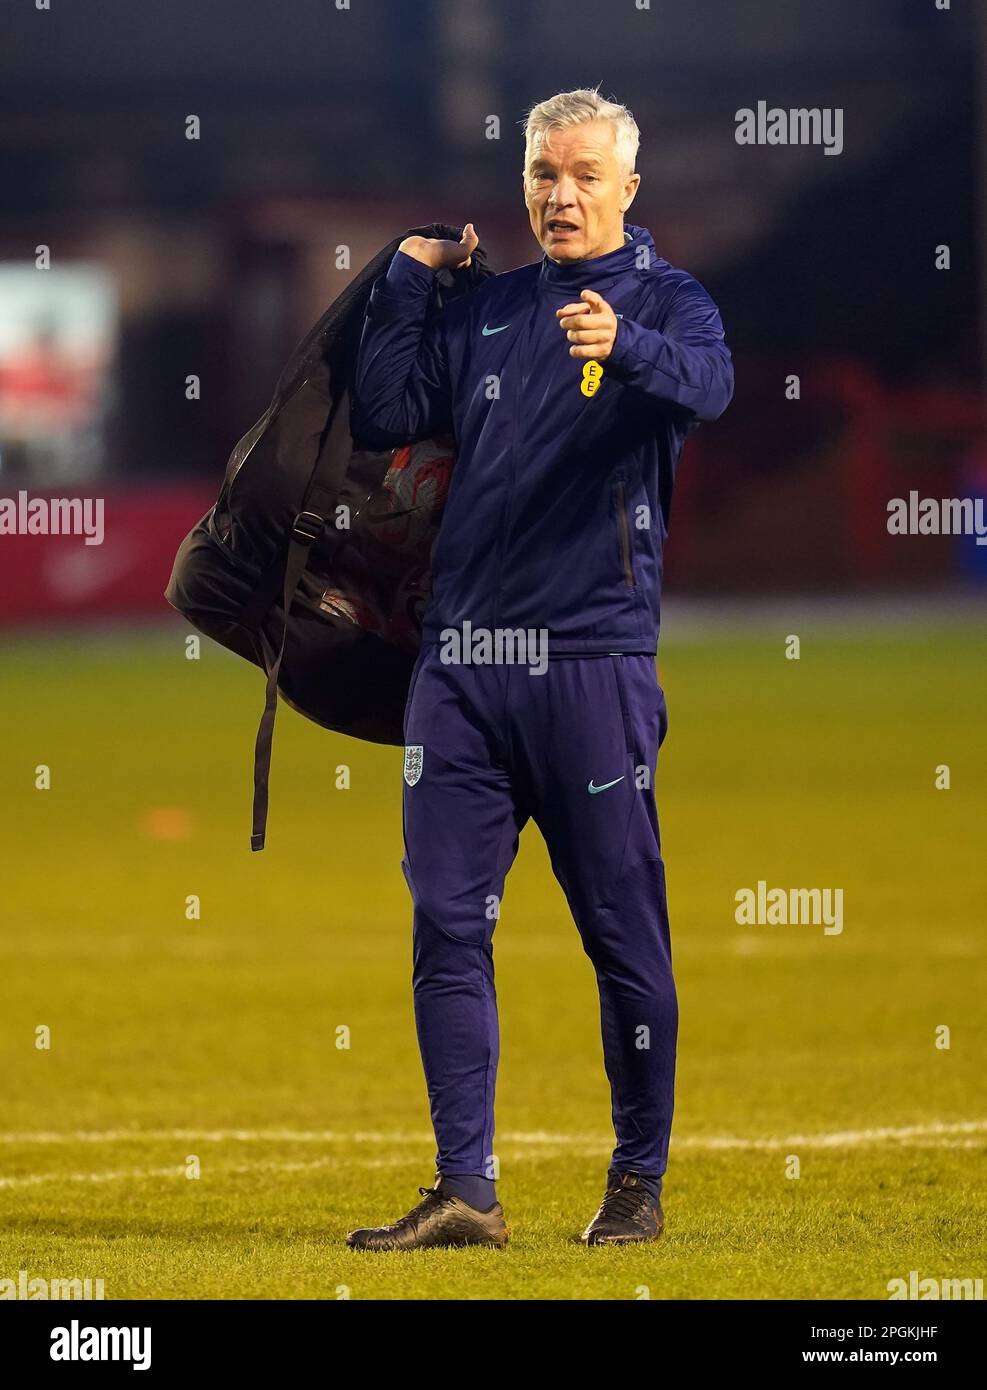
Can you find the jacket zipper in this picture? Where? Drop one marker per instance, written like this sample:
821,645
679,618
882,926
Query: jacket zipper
625,537
520,352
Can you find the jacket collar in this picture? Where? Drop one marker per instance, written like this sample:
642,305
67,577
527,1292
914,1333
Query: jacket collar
598,270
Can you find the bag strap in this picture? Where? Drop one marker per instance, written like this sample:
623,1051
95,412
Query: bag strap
307,528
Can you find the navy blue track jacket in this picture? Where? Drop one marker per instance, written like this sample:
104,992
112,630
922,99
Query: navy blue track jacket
558,506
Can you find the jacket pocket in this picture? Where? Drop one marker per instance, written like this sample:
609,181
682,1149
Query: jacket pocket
624,532
622,702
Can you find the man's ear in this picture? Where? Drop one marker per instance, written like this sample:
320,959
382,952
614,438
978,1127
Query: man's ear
630,190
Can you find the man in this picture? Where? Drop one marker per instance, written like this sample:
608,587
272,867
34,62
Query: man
570,385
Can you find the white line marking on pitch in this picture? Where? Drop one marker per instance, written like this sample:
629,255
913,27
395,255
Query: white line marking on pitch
838,1139
35,1179
175,1171
180,1171
392,1161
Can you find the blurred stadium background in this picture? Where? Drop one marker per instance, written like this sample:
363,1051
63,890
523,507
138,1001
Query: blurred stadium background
323,127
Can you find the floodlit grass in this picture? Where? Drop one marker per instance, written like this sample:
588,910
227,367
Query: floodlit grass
215,1040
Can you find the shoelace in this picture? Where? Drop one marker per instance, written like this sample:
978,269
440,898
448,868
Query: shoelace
432,1195
621,1201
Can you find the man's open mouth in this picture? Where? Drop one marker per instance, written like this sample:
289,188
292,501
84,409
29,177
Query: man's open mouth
560,225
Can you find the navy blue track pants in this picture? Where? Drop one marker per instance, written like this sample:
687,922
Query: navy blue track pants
574,749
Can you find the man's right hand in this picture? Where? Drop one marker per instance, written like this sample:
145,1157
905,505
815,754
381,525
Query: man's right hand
442,254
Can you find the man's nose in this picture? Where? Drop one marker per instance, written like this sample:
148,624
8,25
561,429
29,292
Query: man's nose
563,194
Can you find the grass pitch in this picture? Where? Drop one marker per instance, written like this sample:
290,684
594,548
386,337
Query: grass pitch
211,1045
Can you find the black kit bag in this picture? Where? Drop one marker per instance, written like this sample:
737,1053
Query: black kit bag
335,535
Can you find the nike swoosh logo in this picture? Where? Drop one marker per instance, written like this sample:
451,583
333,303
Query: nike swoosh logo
488,332
593,790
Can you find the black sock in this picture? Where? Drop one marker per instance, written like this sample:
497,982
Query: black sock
478,1193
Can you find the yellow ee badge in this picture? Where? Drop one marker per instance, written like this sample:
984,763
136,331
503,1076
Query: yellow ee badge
592,376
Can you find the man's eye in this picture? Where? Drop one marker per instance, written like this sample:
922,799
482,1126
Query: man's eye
591,178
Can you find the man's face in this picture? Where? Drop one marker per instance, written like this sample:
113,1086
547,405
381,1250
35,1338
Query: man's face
576,193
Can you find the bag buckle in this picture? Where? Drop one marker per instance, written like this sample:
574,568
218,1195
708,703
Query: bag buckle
307,527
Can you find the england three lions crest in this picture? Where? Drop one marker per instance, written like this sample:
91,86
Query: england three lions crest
413,757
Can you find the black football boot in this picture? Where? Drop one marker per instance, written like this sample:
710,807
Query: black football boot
439,1219
628,1214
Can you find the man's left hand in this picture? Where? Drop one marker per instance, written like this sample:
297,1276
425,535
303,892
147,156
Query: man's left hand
591,327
